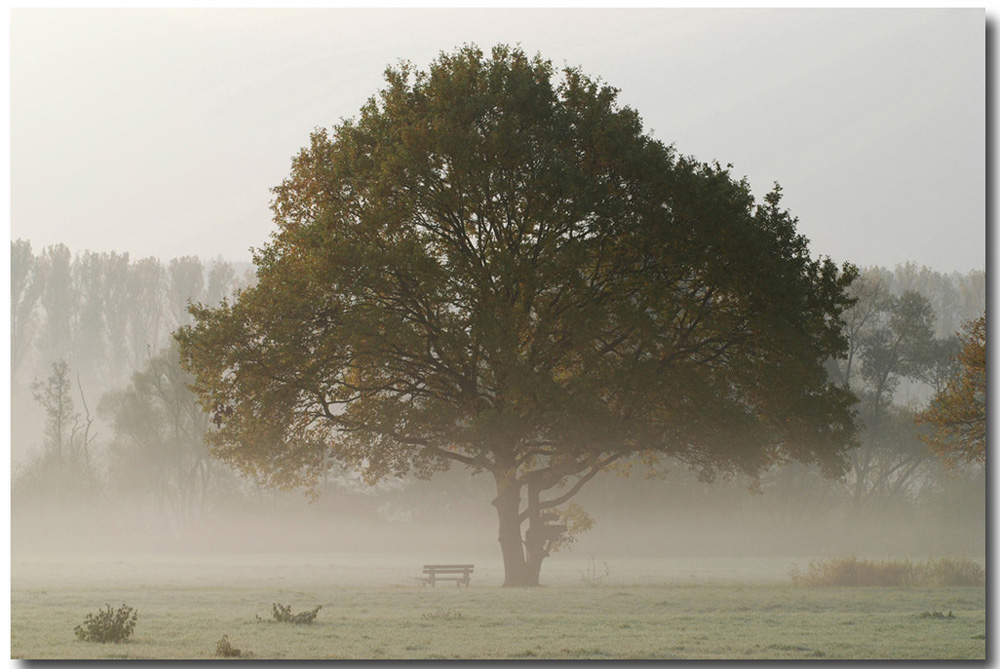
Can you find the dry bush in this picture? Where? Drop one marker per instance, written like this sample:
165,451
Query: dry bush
851,571
952,571
225,649
854,572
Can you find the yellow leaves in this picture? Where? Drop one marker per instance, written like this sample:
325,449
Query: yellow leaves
958,413
577,521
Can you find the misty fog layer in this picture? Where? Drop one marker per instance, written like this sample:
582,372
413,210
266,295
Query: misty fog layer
108,452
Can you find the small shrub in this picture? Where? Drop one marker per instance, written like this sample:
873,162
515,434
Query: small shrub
851,571
108,625
226,649
283,614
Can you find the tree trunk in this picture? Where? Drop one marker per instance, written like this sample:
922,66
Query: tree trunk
508,504
534,538
535,550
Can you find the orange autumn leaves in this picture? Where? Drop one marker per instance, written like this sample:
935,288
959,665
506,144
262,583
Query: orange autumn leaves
957,415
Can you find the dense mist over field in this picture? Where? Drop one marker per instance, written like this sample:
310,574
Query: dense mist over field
674,517
125,467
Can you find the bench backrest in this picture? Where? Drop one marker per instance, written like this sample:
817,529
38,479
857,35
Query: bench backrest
447,568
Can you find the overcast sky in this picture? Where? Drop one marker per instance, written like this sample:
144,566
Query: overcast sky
161,132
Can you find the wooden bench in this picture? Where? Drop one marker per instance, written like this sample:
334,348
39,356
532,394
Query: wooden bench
447,572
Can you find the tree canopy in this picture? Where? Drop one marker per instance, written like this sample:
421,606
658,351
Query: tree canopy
494,266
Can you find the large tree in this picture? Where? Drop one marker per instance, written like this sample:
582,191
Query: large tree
493,266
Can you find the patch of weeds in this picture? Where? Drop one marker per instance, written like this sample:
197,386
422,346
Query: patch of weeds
594,576
851,571
785,646
979,636
951,571
108,625
283,614
442,614
225,649
937,615
855,572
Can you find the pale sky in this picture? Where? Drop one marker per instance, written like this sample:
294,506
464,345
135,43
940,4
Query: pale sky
161,132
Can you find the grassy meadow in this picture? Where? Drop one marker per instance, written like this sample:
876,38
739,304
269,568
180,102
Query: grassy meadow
374,608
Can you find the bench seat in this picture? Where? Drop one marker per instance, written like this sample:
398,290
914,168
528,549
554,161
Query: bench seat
447,572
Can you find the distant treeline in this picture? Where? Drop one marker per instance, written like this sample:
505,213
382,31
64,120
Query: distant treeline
955,298
104,313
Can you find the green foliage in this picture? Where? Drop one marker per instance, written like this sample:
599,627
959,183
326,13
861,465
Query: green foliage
108,625
851,571
283,614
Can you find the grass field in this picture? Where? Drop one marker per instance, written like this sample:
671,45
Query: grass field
374,608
